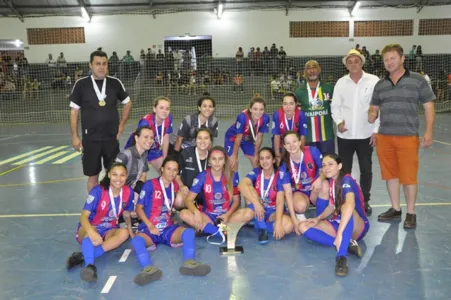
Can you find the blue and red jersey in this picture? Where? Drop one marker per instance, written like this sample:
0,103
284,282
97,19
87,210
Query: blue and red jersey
149,120
216,198
297,123
152,200
310,167
348,185
242,126
99,204
255,177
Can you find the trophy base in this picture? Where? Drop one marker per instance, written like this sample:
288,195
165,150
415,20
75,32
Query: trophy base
231,251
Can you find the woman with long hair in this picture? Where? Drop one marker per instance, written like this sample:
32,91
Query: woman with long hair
160,121
193,160
98,230
349,223
259,188
220,194
157,199
247,133
300,173
185,136
288,117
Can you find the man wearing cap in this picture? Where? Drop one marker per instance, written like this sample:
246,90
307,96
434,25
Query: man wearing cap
352,97
315,98
397,96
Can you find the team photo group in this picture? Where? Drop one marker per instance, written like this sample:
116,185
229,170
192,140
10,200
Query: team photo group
298,184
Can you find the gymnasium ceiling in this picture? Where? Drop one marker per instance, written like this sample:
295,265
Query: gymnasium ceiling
29,8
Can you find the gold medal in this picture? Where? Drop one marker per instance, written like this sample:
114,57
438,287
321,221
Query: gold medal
102,103
298,186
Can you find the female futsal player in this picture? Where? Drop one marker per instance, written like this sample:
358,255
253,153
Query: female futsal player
156,201
349,223
288,117
221,198
193,160
204,118
98,231
247,133
259,188
299,171
160,121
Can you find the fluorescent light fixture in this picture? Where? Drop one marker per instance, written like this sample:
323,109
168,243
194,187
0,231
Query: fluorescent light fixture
220,10
84,13
355,8
18,43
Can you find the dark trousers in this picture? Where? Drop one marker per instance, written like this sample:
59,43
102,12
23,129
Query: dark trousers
346,149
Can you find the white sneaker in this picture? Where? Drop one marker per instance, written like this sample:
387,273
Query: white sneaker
301,217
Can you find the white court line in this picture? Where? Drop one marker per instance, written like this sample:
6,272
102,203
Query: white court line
108,285
125,255
443,143
10,137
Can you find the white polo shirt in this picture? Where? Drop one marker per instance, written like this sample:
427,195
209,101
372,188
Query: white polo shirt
351,103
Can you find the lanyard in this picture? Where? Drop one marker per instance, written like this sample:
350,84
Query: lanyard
297,173
312,99
199,165
264,193
286,121
198,120
254,135
113,205
100,95
159,136
167,202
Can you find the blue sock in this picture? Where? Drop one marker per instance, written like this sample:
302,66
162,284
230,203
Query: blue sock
320,237
210,229
98,251
321,205
346,238
139,244
189,248
257,224
88,250
270,227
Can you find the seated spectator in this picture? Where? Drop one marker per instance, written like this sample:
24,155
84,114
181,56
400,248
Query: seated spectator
238,82
275,87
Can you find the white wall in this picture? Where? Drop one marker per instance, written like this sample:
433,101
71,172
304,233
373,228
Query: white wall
246,29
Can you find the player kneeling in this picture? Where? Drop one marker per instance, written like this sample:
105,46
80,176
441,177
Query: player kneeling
98,231
154,208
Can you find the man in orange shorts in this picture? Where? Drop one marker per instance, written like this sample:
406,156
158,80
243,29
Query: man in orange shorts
397,97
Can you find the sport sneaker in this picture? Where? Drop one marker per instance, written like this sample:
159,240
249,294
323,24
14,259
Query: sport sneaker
341,266
368,209
76,259
411,221
89,273
194,268
148,275
390,214
263,236
301,217
354,248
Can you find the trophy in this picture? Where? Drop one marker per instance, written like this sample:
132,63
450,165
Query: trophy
232,232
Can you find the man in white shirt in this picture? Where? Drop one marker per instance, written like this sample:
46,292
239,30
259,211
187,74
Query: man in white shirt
352,96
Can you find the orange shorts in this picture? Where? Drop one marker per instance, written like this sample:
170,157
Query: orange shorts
398,157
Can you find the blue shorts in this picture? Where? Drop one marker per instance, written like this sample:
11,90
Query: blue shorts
324,147
268,211
102,232
336,223
247,147
154,154
165,236
211,216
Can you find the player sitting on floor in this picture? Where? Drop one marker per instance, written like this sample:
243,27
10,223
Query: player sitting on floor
98,231
259,188
154,208
349,223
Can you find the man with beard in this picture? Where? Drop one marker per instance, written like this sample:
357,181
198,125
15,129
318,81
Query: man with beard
315,98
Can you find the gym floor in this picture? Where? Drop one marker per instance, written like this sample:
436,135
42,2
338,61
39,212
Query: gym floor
43,189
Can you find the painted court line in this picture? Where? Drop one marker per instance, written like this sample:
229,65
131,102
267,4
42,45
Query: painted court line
10,137
24,155
31,158
125,255
64,159
444,143
11,170
108,285
56,155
